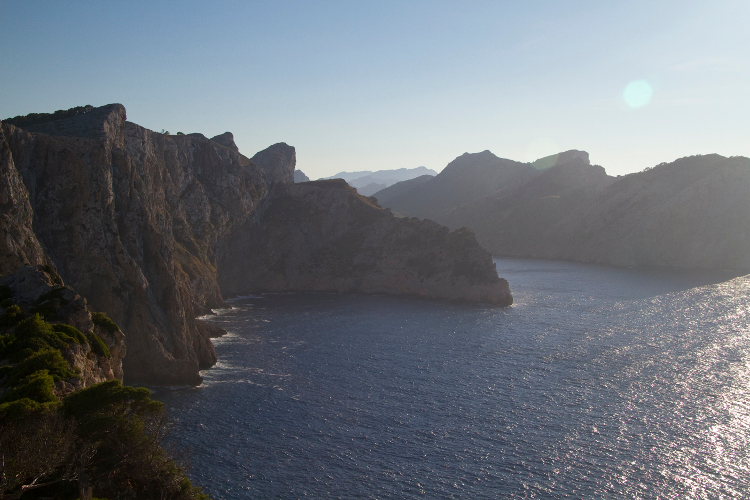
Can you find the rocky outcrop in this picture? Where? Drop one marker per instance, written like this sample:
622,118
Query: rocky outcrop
277,163
39,289
522,222
147,225
131,219
323,236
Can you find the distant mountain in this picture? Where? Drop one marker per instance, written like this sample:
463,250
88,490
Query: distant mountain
368,182
370,189
693,212
300,176
469,178
385,195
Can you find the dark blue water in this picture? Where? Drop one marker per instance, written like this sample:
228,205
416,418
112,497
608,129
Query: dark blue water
597,383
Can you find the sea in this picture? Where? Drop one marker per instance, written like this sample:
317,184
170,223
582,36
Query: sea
597,383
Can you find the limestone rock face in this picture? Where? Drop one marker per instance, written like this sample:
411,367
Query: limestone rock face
277,163
35,288
323,236
131,218
18,243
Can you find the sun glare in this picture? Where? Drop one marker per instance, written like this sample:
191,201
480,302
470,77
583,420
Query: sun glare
637,93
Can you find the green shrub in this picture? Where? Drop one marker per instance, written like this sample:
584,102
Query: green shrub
34,334
98,346
39,387
101,319
18,409
6,303
70,331
12,316
48,359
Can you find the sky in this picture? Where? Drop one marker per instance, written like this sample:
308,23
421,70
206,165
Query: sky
399,84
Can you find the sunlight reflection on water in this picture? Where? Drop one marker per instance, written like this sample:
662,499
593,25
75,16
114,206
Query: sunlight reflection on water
598,383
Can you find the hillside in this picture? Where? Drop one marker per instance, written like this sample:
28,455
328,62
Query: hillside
693,212
466,179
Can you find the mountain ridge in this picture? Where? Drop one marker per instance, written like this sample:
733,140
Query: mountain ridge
689,213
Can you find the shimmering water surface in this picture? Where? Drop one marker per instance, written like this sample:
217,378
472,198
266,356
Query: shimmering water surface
597,383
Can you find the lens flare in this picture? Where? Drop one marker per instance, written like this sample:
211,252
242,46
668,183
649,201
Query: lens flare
637,94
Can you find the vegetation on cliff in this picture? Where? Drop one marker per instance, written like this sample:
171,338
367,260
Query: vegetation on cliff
106,436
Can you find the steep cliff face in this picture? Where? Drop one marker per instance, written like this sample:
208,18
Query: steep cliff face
131,218
18,243
323,236
144,225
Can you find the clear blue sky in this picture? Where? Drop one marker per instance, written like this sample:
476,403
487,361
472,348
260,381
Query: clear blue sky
381,84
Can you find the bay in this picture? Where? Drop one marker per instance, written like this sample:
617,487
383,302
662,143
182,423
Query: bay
597,383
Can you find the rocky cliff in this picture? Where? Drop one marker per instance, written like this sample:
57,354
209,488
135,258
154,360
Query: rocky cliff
464,180
18,244
147,225
323,236
131,218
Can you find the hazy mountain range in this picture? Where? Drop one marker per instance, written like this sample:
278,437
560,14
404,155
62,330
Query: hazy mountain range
693,212
368,182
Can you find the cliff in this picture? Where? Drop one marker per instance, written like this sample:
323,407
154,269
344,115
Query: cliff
131,219
19,244
148,225
323,236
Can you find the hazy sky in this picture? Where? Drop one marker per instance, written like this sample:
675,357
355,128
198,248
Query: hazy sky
357,85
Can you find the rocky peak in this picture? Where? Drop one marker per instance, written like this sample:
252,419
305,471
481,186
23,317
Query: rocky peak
570,156
83,121
225,139
277,162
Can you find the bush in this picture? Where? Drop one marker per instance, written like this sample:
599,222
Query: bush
98,346
12,316
71,332
34,334
48,359
101,319
38,387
